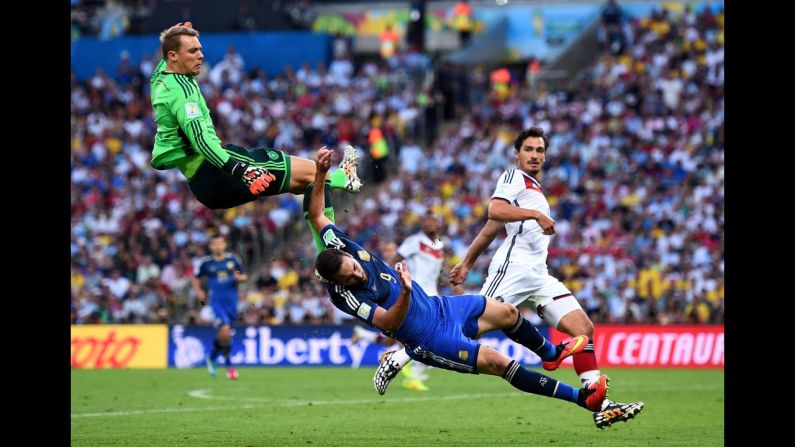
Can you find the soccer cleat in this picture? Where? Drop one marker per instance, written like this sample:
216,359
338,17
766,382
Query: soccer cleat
592,396
414,384
350,160
210,366
386,371
616,412
231,373
567,347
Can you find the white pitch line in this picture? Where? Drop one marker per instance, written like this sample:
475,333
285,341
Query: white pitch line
157,411
203,394
260,402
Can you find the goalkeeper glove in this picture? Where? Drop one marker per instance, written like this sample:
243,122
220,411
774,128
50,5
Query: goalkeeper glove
257,179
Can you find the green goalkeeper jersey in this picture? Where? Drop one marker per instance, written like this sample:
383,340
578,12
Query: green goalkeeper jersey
185,132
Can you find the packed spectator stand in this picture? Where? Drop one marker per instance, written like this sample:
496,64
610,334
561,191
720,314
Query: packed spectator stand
634,177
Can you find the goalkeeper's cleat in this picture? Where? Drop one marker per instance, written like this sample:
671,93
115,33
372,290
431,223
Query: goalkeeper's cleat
386,371
616,412
350,160
414,384
592,396
210,366
231,373
566,348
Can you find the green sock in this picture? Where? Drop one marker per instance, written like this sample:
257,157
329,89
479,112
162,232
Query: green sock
328,212
338,180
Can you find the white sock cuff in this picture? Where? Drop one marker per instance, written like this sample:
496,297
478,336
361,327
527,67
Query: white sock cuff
589,376
401,357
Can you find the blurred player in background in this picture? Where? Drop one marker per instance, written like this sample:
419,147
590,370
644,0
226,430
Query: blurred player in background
223,272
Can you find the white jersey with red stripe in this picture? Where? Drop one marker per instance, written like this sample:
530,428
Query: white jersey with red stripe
526,243
424,260
518,271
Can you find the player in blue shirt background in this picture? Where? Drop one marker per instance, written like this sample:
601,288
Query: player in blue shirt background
439,332
223,273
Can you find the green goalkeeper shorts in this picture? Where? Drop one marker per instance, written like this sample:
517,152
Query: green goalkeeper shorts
216,189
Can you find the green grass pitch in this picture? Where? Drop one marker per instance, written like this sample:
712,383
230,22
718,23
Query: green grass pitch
338,407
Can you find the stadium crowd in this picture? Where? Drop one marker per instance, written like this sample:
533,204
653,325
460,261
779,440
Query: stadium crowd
634,178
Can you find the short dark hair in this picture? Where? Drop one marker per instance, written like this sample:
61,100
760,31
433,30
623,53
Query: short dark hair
530,132
328,263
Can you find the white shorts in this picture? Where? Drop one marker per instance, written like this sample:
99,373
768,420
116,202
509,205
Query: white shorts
515,284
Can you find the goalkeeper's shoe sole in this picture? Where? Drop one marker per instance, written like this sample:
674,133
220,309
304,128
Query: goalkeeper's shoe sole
350,160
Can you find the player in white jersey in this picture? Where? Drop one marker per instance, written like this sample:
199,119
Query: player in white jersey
518,270
423,254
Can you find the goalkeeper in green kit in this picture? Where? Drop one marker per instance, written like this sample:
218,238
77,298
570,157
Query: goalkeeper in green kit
219,176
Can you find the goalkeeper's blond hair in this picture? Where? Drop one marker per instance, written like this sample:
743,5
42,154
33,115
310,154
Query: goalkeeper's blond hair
169,39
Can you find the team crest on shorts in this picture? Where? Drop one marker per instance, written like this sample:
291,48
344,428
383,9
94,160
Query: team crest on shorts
463,354
272,155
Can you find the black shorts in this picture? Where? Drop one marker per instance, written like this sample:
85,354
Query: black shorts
216,189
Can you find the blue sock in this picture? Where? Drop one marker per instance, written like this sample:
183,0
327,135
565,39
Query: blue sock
536,383
527,335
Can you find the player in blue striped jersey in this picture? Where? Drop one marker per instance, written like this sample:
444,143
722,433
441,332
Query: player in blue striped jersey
439,332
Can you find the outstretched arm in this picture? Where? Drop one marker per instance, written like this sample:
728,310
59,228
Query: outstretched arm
317,202
458,273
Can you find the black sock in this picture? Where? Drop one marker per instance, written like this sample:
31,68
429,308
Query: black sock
527,335
537,383
226,350
216,350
